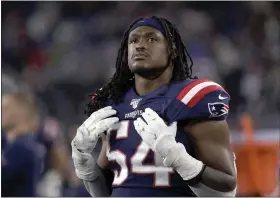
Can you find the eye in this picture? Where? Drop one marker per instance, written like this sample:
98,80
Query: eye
151,39
133,40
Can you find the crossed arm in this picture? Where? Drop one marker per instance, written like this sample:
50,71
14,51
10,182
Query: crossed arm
211,142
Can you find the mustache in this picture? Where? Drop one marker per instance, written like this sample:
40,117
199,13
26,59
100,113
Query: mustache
140,53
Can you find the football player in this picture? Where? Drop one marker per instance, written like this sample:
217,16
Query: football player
166,131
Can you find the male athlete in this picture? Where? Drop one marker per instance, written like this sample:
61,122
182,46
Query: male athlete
166,132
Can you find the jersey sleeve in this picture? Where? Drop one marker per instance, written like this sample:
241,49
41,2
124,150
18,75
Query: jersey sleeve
198,101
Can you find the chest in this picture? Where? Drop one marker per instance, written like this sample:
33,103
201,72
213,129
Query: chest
131,109
132,160
123,135
130,157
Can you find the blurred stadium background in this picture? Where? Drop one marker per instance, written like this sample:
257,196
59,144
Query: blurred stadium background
60,52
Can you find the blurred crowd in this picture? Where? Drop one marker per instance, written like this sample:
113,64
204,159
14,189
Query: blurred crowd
61,52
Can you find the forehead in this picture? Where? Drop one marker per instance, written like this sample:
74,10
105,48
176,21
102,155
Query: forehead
145,30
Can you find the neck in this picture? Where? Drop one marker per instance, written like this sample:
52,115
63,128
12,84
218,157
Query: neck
16,131
144,86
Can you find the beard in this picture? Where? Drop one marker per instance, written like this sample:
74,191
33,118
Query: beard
149,73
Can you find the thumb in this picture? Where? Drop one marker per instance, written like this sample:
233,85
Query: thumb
173,124
103,136
173,127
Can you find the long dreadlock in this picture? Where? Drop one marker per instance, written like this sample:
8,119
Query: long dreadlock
122,80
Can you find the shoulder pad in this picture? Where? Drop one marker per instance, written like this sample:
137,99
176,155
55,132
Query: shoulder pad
199,100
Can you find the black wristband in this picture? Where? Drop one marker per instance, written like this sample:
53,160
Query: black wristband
196,179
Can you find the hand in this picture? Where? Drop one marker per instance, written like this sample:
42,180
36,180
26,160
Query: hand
161,139
155,133
86,138
84,164
90,131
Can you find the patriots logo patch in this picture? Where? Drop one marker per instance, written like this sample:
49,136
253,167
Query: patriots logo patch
218,109
134,102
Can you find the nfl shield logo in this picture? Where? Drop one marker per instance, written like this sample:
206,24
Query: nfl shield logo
217,109
134,102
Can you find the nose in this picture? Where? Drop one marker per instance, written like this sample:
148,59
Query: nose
141,45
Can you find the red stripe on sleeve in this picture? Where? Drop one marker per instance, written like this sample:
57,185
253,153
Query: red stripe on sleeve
203,92
188,88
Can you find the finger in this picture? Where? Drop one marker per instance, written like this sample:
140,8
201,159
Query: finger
141,125
75,147
99,115
79,156
147,117
150,115
173,128
81,132
152,112
104,109
103,136
173,124
106,123
138,128
73,142
103,126
75,155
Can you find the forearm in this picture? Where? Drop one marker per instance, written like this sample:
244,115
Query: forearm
97,187
215,182
92,175
83,144
218,180
207,189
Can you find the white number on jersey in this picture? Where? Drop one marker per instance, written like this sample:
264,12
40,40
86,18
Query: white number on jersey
161,173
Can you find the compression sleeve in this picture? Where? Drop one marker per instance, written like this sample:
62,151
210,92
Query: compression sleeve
101,186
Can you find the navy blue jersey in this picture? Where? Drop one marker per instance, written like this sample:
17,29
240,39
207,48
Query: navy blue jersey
3,139
45,142
138,170
20,167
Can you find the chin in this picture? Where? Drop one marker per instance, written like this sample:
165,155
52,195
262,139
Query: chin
147,71
139,68
140,65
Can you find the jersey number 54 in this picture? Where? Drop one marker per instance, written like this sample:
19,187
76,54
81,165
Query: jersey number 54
161,173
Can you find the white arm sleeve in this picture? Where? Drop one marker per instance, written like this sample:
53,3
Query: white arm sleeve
201,190
97,187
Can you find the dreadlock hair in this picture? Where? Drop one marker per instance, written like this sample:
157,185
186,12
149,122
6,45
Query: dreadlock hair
122,80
